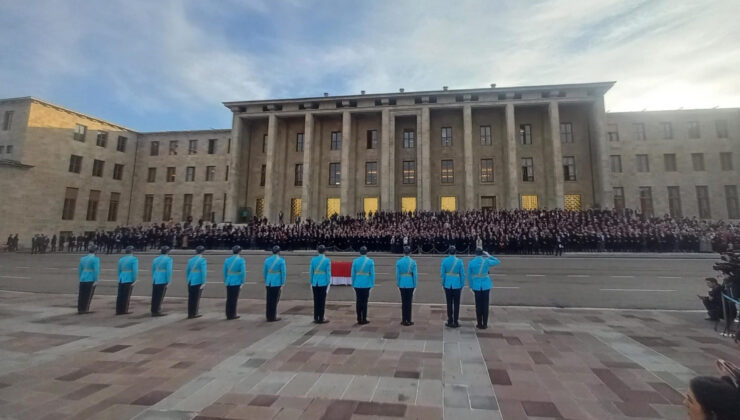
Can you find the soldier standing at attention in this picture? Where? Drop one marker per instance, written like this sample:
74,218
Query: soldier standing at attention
320,278
235,272
452,272
196,276
89,273
363,279
161,277
274,274
406,279
128,273
480,283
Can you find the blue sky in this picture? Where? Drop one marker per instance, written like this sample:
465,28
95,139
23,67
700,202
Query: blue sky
167,65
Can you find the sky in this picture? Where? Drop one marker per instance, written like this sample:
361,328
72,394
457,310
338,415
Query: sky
156,65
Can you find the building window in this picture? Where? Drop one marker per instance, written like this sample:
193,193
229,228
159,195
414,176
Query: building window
446,136
264,143
448,171
448,203
299,142
115,198
148,207
618,193
569,168
485,135
80,131
669,159
151,176
667,130
572,202
92,205
121,145
208,207
527,169
721,126
70,201
75,164
371,173
409,172
612,132
525,133
725,160
530,202
733,210
298,175
643,163
187,207
210,173
296,209
409,139
702,200
7,120
167,208
335,173
486,170
263,171
9,149
154,148
638,130
117,171
488,203
674,201
370,206
212,146
97,169
102,139
408,204
189,174
333,206
566,132
336,140
694,131
616,163
173,147
697,159
2,149
646,201
372,139
192,147
259,208
226,173
170,174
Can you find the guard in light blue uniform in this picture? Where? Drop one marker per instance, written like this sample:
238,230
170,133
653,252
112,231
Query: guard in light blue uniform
196,274
452,272
235,273
406,279
363,279
161,277
88,272
319,274
274,273
128,273
481,285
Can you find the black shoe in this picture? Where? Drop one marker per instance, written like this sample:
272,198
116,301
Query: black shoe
479,326
274,320
484,327
409,323
233,317
323,321
403,323
364,322
159,314
197,316
450,324
456,325
711,319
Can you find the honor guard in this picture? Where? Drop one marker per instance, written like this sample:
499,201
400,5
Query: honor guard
89,273
235,272
452,272
480,283
363,279
161,277
320,278
128,273
274,273
196,276
406,279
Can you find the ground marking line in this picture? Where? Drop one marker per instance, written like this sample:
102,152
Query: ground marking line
579,275
13,277
622,277
534,275
669,277
23,267
636,290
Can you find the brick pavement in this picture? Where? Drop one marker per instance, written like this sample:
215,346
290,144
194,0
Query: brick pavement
531,363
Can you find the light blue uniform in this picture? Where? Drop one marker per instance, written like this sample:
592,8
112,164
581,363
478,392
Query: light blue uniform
406,274
274,271
320,272
235,271
478,278
128,269
363,272
162,269
196,271
89,268
452,272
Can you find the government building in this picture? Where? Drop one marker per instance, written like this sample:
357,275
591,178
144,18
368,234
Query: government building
63,172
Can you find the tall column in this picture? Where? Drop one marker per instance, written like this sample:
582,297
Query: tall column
384,159
600,155
392,163
468,156
232,203
425,201
556,197
510,162
307,188
271,169
347,176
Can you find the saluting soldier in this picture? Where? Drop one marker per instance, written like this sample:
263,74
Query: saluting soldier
161,277
406,279
128,273
320,278
274,273
363,279
235,272
89,272
452,272
480,283
196,273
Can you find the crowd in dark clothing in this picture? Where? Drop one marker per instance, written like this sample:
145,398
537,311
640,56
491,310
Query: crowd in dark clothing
11,244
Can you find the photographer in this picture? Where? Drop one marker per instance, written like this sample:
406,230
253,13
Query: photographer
713,300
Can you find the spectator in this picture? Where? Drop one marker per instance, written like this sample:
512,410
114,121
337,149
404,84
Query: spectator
711,398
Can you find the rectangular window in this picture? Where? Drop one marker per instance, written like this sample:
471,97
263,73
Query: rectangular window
721,126
409,172
208,207
566,132
70,201
296,208
263,172
336,140
170,174
335,173
92,205
638,130
299,142
115,198
264,143
210,173
448,203
669,159
80,132
408,204
618,193
121,145
97,169
485,135
151,176
259,208
371,173
2,149
298,174
694,130
333,205
9,149
612,132
189,174
192,147
646,201
525,133
173,147
409,139
226,173
187,207
667,130
643,163
488,203
733,210
527,169
448,171
674,201
697,160
725,160
167,208
148,207
212,146
616,163
102,139
572,202
7,120
702,201
486,170
154,148
530,202
75,164
117,171
372,139
446,136
569,168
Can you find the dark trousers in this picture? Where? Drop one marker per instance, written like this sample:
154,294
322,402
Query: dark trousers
362,295
158,291
87,289
194,293
124,297
407,298
482,298
232,297
453,304
273,297
319,302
